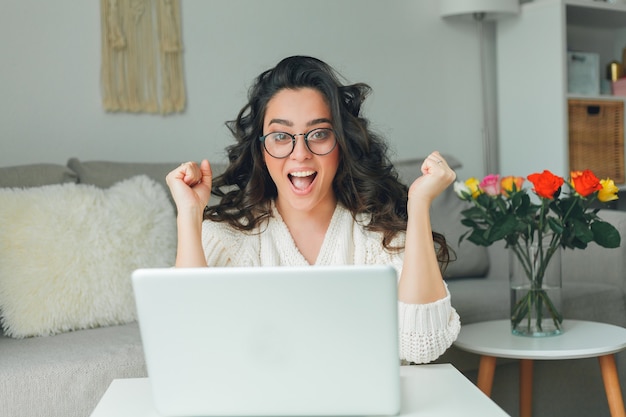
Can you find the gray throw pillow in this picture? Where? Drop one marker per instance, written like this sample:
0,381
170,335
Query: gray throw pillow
469,260
35,175
105,173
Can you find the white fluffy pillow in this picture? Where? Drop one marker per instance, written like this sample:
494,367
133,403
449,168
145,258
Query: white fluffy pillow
67,252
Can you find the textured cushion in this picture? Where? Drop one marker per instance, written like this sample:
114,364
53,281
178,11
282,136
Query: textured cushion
67,252
479,300
66,375
469,260
410,169
105,174
35,175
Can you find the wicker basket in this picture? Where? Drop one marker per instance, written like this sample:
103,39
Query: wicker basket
596,137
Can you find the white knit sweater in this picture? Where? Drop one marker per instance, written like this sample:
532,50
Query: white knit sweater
426,330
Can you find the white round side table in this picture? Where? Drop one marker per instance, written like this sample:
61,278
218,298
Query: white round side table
580,339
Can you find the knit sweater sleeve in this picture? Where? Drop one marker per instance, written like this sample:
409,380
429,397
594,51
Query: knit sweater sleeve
426,331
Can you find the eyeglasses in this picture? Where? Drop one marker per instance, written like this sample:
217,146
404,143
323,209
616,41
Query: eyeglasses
280,144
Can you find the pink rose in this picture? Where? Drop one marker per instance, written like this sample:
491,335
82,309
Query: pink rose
491,184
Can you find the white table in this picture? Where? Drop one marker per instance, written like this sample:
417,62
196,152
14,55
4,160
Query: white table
427,391
580,339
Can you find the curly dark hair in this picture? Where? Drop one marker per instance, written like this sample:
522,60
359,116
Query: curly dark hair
366,180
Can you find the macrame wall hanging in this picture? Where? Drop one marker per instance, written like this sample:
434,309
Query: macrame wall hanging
142,49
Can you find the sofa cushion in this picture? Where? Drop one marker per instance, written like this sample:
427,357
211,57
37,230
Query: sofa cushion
105,173
66,375
409,169
468,260
479,300
35,175
67,252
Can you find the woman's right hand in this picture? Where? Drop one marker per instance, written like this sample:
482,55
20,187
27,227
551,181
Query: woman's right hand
190,185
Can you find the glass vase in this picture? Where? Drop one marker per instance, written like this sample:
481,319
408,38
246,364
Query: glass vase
535,277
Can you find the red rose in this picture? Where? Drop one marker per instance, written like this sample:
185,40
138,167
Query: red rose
546,184
585,182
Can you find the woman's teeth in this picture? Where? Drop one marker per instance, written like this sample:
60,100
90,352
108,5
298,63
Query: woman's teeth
302,179
302,173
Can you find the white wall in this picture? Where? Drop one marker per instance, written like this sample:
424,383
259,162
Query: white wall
424,72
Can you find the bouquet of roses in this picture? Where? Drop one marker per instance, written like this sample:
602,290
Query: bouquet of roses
501,209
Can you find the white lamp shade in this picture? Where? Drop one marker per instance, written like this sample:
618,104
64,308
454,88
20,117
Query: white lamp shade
491,8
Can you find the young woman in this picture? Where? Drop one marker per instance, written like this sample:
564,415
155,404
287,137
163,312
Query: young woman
309,184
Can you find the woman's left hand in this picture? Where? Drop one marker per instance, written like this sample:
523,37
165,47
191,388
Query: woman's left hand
421,281
436,177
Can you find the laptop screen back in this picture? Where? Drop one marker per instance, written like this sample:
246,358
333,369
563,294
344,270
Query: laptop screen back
270,341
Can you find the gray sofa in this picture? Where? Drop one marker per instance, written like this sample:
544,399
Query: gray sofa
64,375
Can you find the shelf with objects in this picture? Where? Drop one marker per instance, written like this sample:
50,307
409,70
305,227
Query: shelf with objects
534,86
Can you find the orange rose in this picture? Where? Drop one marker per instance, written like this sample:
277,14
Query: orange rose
585,182
507,184
546,184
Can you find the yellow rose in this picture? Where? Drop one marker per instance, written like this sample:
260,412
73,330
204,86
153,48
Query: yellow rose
608,192
472,184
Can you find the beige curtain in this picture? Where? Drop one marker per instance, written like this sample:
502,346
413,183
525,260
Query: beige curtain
142,49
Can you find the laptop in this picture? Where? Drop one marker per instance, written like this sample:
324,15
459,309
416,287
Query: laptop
270,341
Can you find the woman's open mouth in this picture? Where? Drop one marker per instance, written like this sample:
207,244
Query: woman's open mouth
302,180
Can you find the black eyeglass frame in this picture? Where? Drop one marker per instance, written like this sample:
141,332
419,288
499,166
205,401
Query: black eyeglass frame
306,141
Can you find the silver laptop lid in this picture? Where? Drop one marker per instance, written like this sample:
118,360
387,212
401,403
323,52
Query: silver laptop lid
270,341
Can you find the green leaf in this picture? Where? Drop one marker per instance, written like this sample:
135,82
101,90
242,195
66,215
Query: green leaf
465,196
484,200
505,225
517,199
477,238
582,231
557,207
469,223
578,244
605,235
473,212
555,225
463,237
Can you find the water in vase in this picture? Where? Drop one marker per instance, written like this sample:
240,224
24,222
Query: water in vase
536,312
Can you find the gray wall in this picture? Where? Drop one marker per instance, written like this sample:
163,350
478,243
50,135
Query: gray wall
424,72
